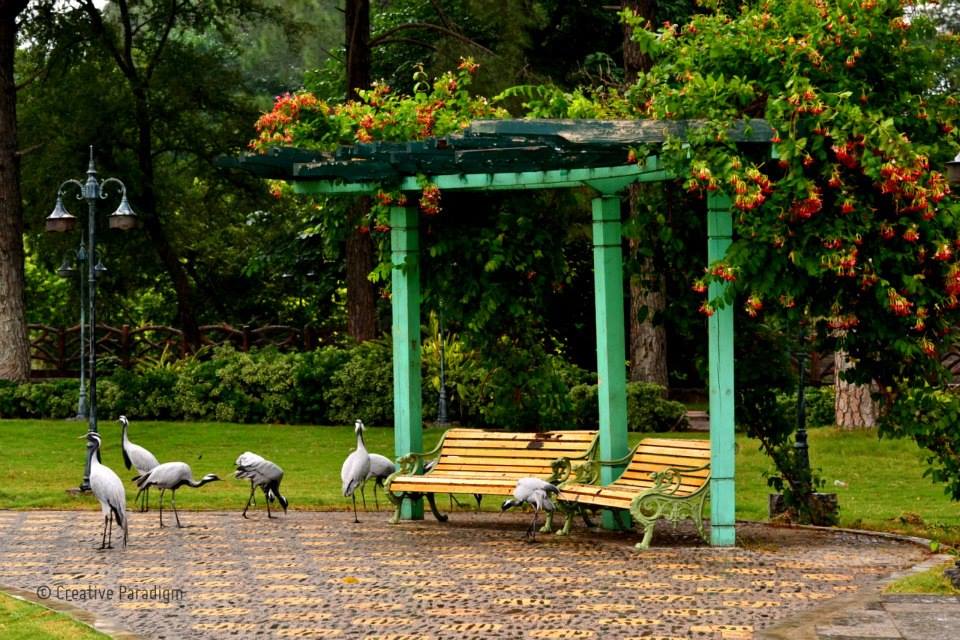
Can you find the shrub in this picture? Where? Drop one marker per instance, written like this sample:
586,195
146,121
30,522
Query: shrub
647,408
362,387
314,372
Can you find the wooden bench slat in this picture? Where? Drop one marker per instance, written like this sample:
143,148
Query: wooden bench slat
515,445
501,453
551,436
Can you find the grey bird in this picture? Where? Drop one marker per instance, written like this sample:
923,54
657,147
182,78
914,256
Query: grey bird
137,457
355,468
536,493
381,467
264,474
172,476
108,489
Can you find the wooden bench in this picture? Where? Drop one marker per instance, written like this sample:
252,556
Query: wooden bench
664,478
479,462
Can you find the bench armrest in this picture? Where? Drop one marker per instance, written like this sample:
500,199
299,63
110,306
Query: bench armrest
412,463
668,480
563,466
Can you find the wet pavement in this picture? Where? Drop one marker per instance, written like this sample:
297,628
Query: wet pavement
319,575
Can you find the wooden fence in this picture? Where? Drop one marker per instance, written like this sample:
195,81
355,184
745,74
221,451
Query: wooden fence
55,351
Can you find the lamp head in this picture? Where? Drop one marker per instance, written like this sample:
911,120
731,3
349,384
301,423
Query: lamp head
60,220
123,218
66,269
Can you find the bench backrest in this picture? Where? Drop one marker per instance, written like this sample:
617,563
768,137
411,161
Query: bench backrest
521,453
657,454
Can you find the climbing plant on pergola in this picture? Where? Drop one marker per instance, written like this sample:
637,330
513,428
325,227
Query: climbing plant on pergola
497,155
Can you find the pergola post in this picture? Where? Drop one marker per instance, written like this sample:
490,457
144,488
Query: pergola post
720,345
405,304
611,350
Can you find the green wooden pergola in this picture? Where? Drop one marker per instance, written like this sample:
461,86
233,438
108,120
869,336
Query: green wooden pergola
535,154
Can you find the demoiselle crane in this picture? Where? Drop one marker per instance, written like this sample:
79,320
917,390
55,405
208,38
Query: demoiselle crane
264,474
108,489
355,468
380,469
536,493
137,457
172,476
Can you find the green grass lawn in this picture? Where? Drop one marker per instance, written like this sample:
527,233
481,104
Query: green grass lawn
24,620
884,488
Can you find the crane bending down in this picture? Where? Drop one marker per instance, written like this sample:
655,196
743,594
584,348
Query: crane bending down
380,469
171,475
355,468
264,474
137,457
536,493
107,487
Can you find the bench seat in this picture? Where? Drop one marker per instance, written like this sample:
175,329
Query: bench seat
478,462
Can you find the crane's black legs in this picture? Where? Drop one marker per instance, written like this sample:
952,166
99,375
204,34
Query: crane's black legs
176,515
145,501
103,538
478,497
110,532
532,531
267,500
353,496
161,507
253,490
363,494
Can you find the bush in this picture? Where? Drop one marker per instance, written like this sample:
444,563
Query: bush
648,410
362,387
818,406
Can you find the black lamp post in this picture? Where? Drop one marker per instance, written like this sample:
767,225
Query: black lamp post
67,270
61,220
442,417
802,448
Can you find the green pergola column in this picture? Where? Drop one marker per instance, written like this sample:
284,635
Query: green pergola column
407,414
611,350
720,345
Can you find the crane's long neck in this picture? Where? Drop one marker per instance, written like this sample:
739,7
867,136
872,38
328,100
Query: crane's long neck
195,484
125,439
360,445
95,455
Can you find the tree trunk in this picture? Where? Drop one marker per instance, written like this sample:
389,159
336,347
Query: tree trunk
361,303
853,405
14,340
361,295
186,311
357,27
648,336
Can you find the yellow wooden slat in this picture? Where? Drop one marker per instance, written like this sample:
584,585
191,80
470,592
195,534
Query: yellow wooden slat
676,443
516,445
501,453
546,436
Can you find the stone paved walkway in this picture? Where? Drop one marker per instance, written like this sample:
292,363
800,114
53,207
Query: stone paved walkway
320,575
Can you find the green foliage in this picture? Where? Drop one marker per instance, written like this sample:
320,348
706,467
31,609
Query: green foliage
851,222
362,387
53,399
648,409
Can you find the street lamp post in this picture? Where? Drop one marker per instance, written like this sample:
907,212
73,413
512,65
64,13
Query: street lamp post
61,220
66,270
442,418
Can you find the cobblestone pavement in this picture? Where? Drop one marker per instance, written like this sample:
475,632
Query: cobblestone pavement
319,575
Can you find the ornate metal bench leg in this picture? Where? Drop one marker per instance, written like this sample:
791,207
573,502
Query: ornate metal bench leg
548,523
395,518
647,536
586,518
433,507
567,520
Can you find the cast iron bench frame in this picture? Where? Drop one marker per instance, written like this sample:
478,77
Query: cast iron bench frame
480,462
664,478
